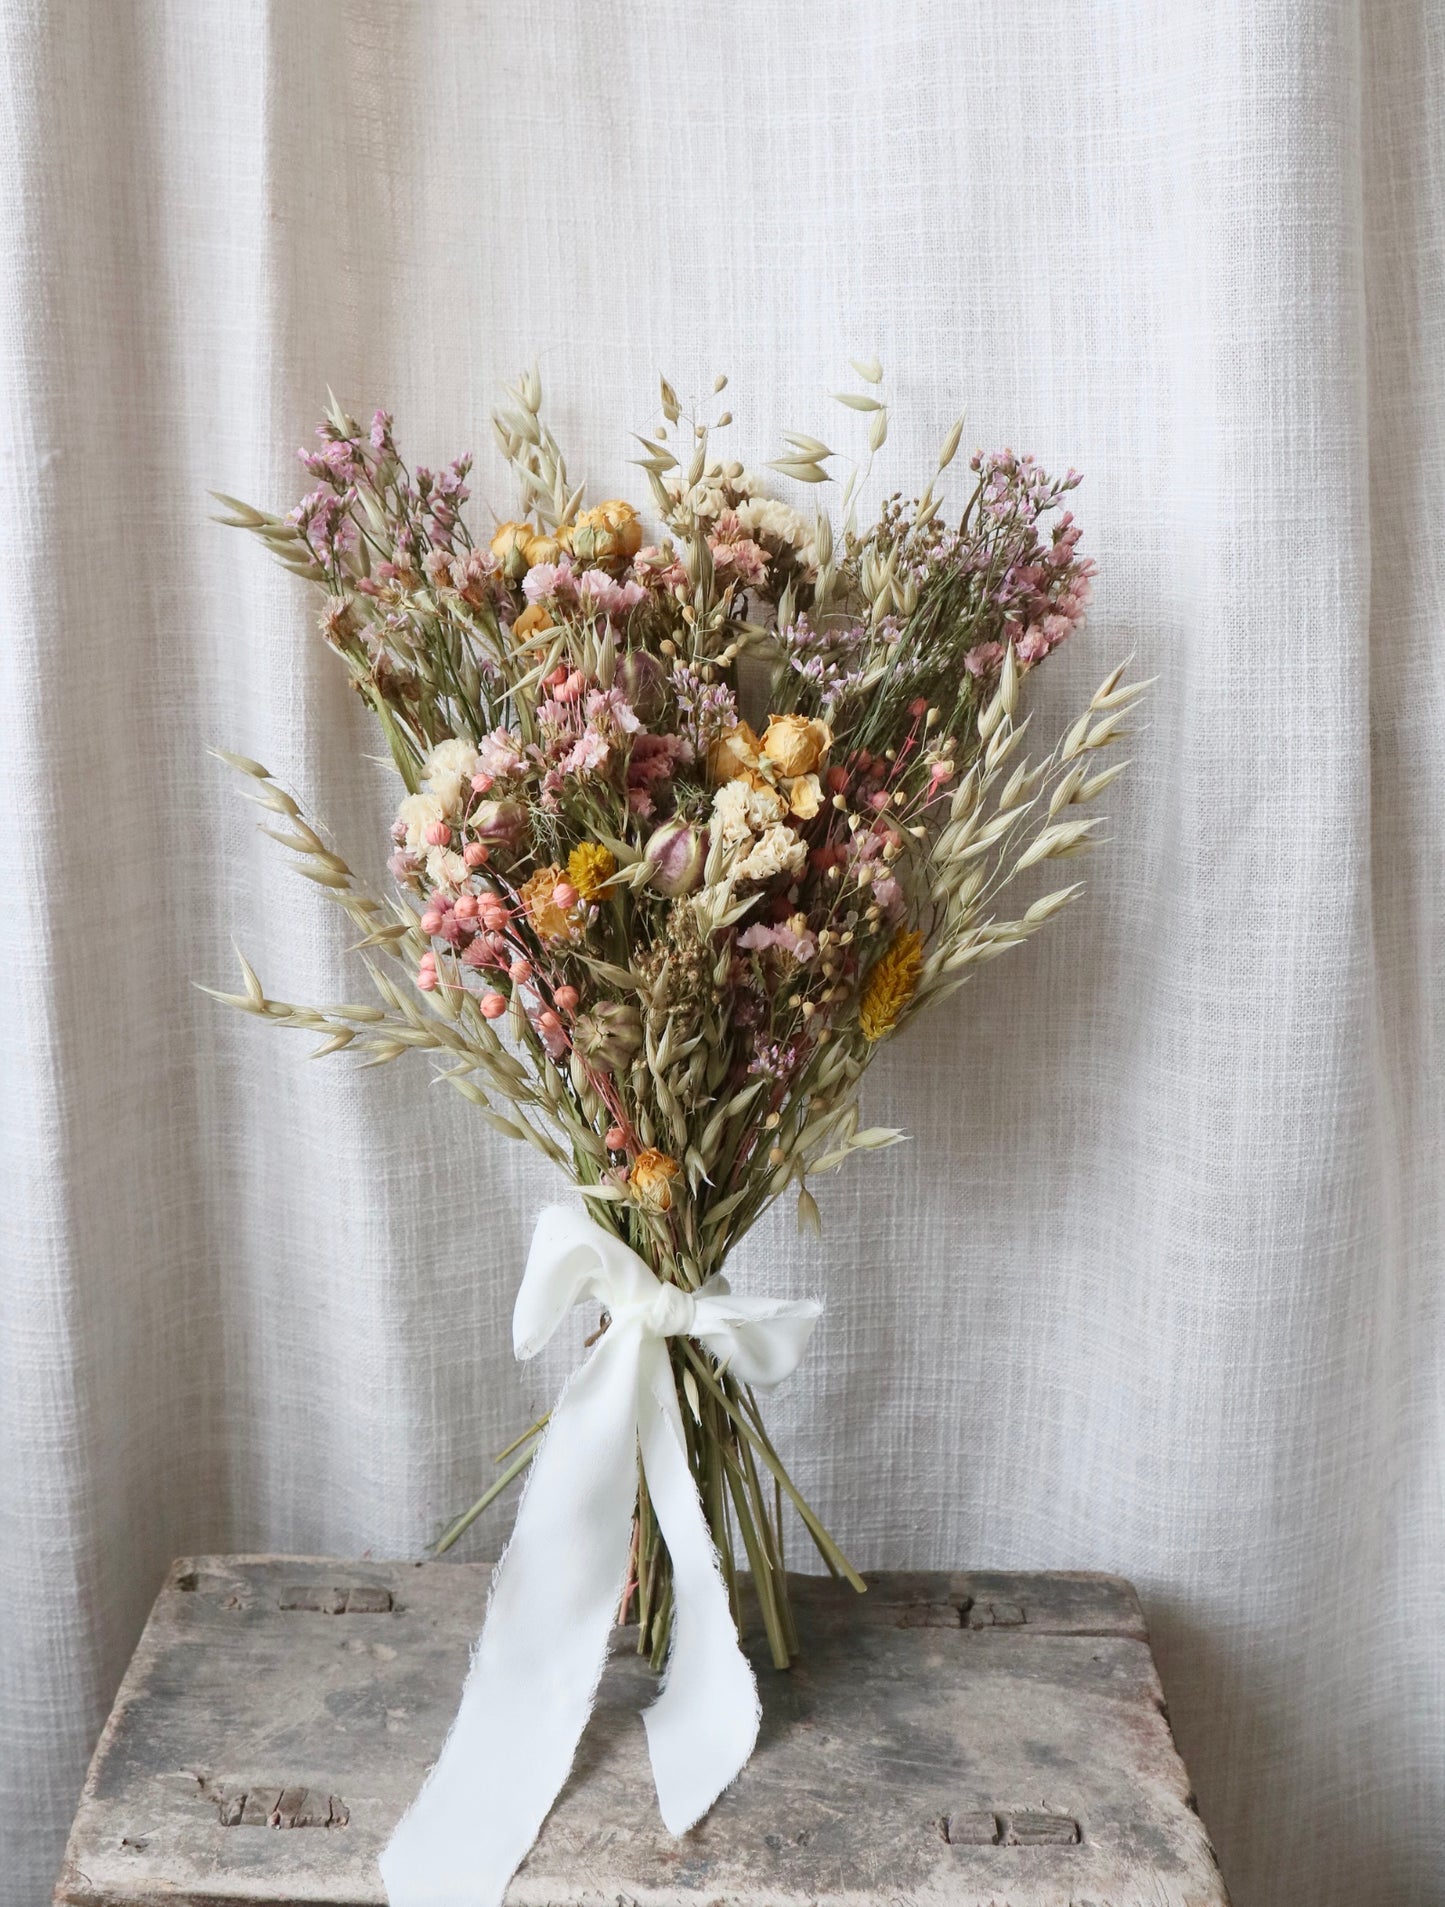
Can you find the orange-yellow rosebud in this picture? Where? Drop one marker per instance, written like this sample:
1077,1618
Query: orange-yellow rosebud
609,533
509,546
535,617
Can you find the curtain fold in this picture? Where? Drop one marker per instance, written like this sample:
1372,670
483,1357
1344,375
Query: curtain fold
1156,1286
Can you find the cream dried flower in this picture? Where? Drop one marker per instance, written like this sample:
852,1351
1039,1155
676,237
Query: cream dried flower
779,851
418,813
447,769
746,807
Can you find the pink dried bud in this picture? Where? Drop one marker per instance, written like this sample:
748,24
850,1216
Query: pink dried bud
565,895
437,834
677,853
475,854
467,907
567,998
918,707
493,1005
426,979
500,822
428,959
558,676
521,971
481,782
549,1022
643,680
495,917
431,921
615,1139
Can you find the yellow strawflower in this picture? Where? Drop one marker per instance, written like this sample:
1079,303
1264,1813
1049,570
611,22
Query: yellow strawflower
891,985
590,868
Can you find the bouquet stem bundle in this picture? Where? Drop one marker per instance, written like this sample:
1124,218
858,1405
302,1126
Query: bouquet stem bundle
689,827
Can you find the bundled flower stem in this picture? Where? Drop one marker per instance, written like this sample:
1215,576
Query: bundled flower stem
693,821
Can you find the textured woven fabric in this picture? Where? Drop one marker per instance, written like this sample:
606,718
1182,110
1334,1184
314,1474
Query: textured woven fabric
1168,1232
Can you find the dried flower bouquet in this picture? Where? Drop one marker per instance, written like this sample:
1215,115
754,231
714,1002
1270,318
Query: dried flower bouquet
694,819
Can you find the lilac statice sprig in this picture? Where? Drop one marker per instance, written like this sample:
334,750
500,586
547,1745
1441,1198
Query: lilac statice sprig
707,710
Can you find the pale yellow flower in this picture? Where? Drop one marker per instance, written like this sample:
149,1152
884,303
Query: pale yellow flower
535,617
549,921
805,796
549,546
509,546
796,744
612,532
650,1180
733,753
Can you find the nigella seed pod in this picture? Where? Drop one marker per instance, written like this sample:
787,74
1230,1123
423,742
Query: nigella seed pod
677,853
609,1036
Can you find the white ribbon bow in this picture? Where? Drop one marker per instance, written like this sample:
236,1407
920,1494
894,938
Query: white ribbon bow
555,1595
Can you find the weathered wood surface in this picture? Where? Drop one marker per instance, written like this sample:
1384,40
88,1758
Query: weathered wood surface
973,1740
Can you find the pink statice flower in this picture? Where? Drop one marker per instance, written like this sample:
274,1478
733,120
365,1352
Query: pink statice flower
500,754
734,553
601,595
610,709
660,569
791,936
653,761
588,755
324,521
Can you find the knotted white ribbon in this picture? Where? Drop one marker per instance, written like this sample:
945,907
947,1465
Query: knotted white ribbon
535,1670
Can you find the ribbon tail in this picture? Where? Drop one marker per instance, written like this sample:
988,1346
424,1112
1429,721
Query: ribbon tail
703,1726
535,1671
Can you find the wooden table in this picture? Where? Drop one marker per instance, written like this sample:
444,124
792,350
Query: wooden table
970,1740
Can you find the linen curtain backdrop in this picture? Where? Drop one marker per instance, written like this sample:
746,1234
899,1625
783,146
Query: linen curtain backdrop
1155,1288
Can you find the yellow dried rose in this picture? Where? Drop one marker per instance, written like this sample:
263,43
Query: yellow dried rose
734,753
650,1180
549,920
796,744
590,868
609,533
549,546
891,985
535,617
509,546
